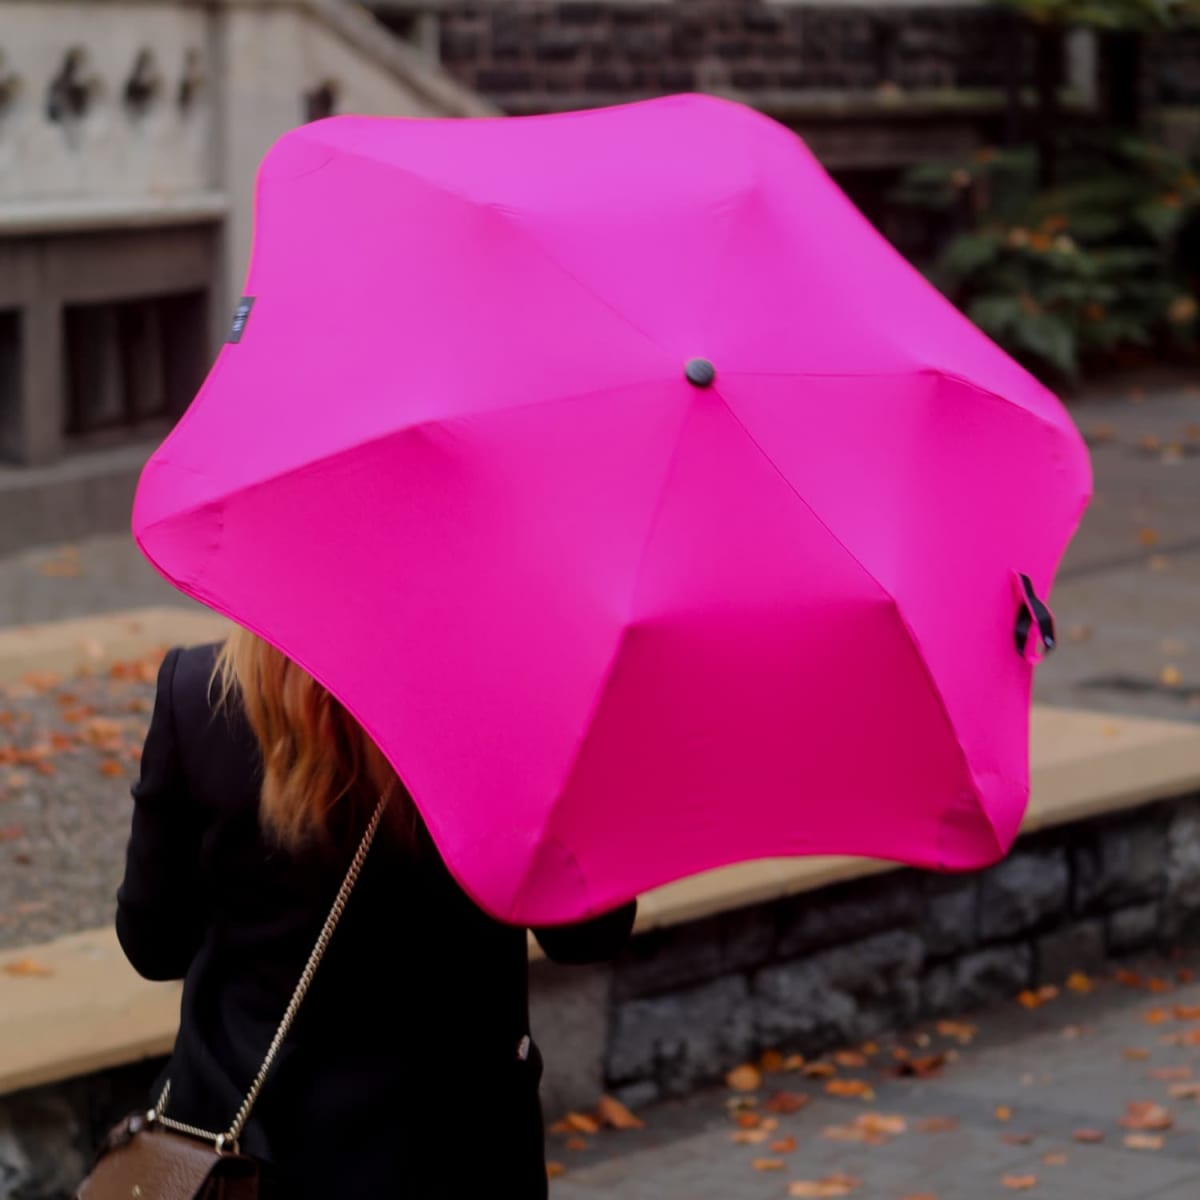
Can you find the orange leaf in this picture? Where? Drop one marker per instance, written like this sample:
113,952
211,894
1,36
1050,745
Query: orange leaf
855,1089
938,1125
771,1062
111,768
746,1078
768,1164
1054,1158
786,1103
1003,1112
561,1127
1088,1137
12,833
576,1143
1035,999
1187,1012
554,1170
28,968
581,1123
749,1137
1144,1141
1156,1016
889,1126
1020,1183
612,1112
820,1070
923,1067
46,768
794,1062
1148,537
849,1059
1160,985
1079,983
749,1120
959,1030
1145,1114
1184,1091
1169,1074
783,1145
831,1185
770,1124
854,1133
1135,1054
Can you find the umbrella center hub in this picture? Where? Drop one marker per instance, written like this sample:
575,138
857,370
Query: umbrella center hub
699,372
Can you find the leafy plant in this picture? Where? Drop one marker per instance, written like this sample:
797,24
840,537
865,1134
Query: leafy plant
1064,276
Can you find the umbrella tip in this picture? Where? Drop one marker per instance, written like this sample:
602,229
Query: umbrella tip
700,372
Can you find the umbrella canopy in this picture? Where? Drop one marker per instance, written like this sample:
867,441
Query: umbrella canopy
642,503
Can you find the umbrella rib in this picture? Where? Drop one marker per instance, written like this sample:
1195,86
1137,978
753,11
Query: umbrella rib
914,640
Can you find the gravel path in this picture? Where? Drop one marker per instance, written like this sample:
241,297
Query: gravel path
69,750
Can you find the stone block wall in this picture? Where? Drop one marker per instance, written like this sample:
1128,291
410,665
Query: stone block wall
549,48
844,964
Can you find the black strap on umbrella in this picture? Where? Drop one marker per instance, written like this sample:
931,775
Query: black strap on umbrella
1033,610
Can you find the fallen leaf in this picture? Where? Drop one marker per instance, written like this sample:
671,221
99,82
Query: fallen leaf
1145,1114
959,1030
111,768
1102,433
576,1143
1020,1183
783,1145
1079,633
28,968
1170,676
1185,976
1148,537
770,1124
12,833
581,1123
1144,1141
554,1170
1079,983
870,1049
771,1062
923,1067
1088,1137
1054,1158
1184,1091
938,1125
612,1112
888,1125
768,1164
850,1059
1150,442
1003,1112
1187,1012
749,1137
786,1103
1156,1016
749,1120
746,1078
41,681
1035,999
831,1185
560,1127
1169,1074
1134,1054
850,1089
854,1133
794,1062
820,1070
1017,1139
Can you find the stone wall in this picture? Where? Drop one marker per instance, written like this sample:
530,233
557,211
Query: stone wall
841,965
546,48
809,973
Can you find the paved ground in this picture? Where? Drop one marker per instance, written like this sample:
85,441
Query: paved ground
1073,1065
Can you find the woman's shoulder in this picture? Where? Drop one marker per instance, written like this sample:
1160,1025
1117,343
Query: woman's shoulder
185,682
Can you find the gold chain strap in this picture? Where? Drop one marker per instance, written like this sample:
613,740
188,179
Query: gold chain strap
229,1139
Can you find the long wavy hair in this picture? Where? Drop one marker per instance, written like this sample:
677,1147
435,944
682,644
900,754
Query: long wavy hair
315,755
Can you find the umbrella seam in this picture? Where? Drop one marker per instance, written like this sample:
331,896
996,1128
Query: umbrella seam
913,639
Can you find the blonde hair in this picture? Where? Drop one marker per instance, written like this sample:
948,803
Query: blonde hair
314,753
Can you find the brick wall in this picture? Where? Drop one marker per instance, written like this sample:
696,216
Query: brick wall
518,52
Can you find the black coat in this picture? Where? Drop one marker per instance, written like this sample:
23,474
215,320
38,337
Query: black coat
403,1075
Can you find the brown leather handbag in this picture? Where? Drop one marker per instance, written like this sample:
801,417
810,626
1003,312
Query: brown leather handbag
150,1156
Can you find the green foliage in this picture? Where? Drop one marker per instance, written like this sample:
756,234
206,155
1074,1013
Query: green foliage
1116,16
1067,276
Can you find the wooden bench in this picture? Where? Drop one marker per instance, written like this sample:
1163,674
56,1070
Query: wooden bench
90,1011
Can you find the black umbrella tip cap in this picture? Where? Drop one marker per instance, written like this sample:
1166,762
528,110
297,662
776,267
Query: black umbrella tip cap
700,373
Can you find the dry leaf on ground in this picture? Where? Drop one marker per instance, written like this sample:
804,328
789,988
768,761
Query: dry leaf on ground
1144,1141
771,1061
1003,1112
1187,1012
576,1143
768,1164
1017,1139
1135,1054
922,1067
1035,999
850,1089
1184,1091
749,1137
1145,1114
819,1070
783,1145
1054,1158
831,1185
581,1123
961,1031
1169,1074
746,1078
850,1059
938,1125
28,968
1020,1183
554,1170
1079,983
1088,1137
612,1112
749,1120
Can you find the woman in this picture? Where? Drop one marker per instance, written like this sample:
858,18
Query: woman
409,1071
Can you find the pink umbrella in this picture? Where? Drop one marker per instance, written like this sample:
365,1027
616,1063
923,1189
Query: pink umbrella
649,511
